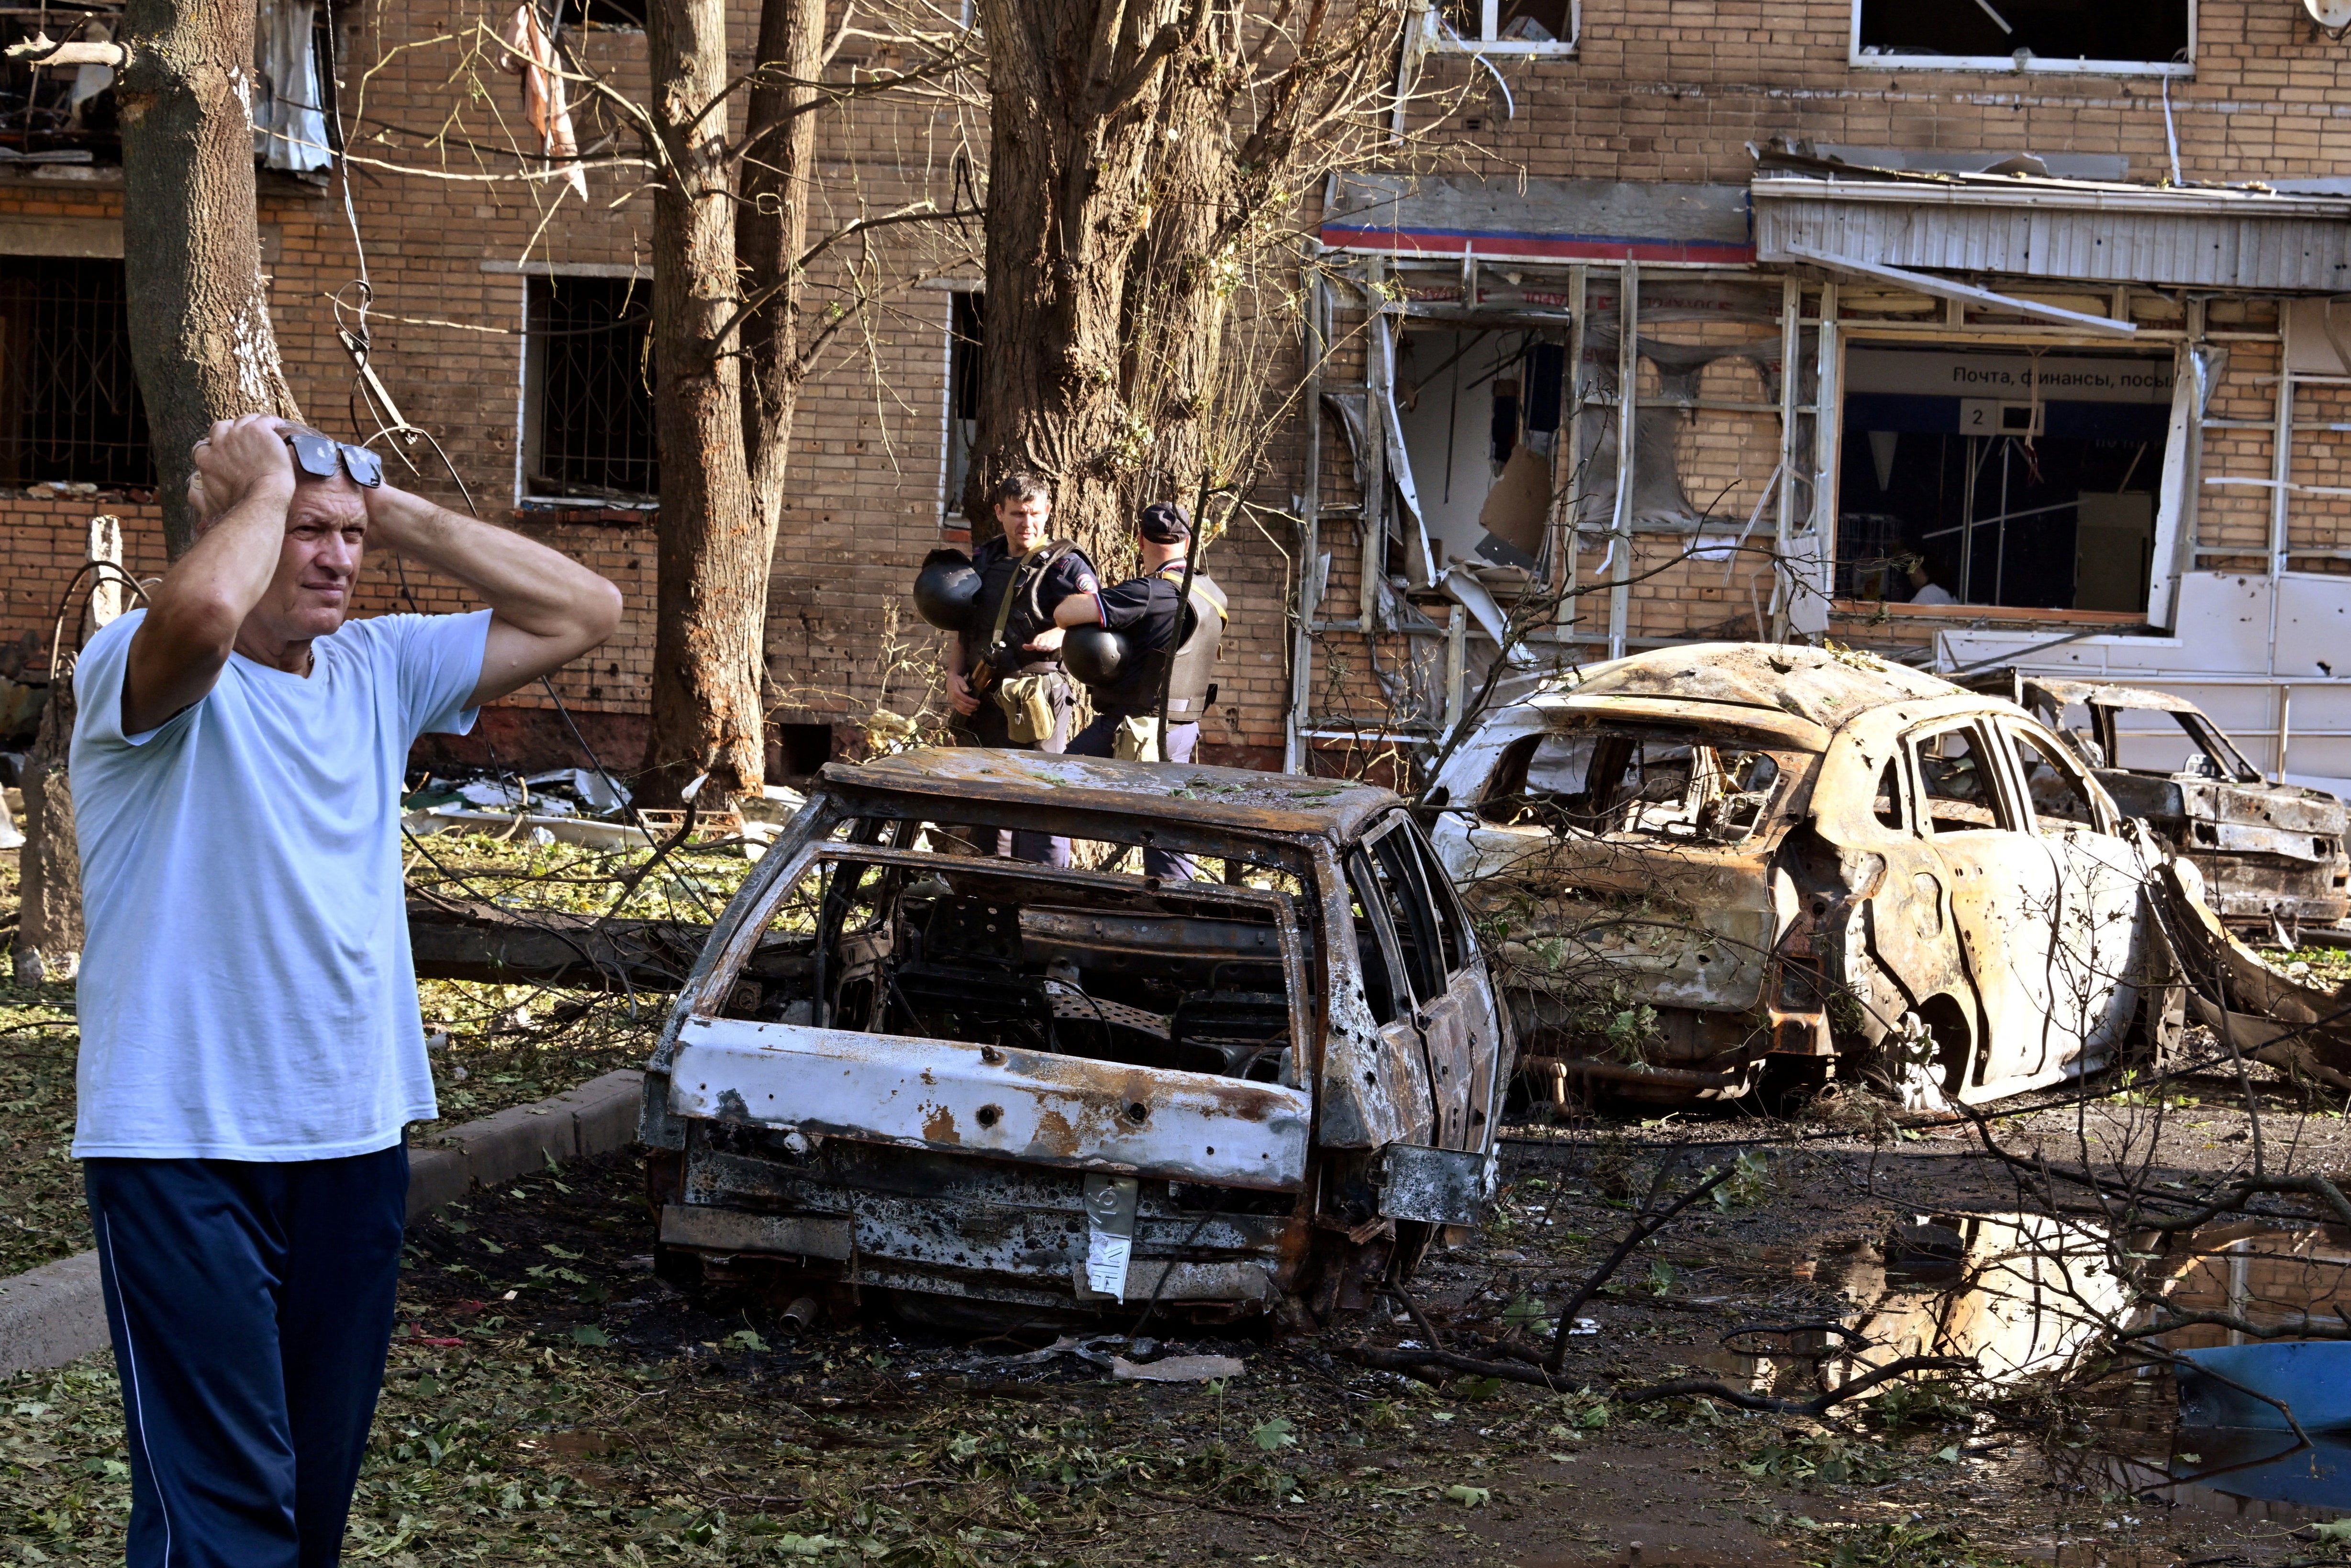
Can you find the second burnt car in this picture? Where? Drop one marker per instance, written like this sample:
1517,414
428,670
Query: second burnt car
977,1087
1696,863
2271,854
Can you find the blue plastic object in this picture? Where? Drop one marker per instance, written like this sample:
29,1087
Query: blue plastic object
2313,1377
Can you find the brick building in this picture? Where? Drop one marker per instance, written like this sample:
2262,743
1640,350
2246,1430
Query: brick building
2033,292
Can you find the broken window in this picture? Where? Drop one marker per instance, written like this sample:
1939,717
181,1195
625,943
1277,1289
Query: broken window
2150,744
69,406
1975,476
1479,412
967,357
1190,977
1517,26
588,407
602,16
1888,801
1956,781
2027,34
2061,801
1384,987
1637,783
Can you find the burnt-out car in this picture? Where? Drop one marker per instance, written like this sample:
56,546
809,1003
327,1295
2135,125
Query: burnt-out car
977,1086
2271,855
1698,863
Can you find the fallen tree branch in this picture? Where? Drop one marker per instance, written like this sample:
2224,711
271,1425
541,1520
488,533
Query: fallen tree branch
1643,1227
1707,1387
1417,1360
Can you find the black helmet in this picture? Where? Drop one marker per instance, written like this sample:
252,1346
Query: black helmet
1094,655
947,589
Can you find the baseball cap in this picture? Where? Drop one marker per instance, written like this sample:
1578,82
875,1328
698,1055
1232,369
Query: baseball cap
1163,523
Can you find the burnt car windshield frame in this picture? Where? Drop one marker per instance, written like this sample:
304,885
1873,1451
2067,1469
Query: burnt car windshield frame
1282,906
1797,767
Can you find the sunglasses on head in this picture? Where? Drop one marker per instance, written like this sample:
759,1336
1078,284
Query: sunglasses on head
317,455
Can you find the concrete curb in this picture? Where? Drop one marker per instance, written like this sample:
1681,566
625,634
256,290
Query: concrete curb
598,1116
57,1313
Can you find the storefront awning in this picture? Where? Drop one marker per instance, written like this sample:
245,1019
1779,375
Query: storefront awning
2070,230
1538,220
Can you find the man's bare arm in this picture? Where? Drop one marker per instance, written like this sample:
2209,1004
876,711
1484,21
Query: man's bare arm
194,613
545,609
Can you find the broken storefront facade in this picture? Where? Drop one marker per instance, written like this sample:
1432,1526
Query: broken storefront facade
2097,412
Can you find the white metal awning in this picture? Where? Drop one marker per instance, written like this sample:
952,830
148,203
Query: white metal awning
2069,230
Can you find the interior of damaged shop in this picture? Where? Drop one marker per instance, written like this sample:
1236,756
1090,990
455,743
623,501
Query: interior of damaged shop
2093,478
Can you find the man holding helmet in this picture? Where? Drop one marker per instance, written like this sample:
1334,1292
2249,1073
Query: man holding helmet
1139,627
1005,680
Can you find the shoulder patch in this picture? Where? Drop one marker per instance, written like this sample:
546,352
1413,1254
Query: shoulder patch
1086,584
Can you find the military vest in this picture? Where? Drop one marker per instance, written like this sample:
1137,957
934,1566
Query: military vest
1136,691
1019,576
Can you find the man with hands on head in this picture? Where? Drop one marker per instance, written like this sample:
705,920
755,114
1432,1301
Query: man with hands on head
251,1047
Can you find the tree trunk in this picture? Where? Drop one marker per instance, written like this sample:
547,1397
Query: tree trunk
714,544
1146,156
1176,305
200,332
771,234
1073,87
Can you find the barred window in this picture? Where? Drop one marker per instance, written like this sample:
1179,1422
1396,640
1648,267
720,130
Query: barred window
587,401
70,407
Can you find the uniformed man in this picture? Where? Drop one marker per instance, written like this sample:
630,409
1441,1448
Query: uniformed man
1005,682
1145,611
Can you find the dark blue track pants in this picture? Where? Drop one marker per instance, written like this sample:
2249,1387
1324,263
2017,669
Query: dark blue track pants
251,1308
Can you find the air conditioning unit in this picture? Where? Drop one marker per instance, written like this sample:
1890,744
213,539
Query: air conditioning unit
2334,15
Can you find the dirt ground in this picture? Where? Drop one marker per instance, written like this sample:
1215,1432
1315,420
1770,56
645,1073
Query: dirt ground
551,1401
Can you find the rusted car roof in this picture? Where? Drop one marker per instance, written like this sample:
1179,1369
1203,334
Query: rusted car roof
1821,687
1231,798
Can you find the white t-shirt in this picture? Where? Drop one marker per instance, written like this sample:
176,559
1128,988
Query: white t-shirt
1933,593
247,991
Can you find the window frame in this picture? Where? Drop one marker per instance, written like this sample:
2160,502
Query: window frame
964,296
530,395
1441,40
2021,735
2009,64
49,324
1362,884
1995,767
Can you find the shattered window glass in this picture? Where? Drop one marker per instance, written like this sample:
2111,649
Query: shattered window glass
2153,33
1631,782
1952,775
2059,801
994,952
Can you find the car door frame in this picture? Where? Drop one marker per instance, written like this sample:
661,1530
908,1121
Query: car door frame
1470,983
1458,1028
2006,905
2101,878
